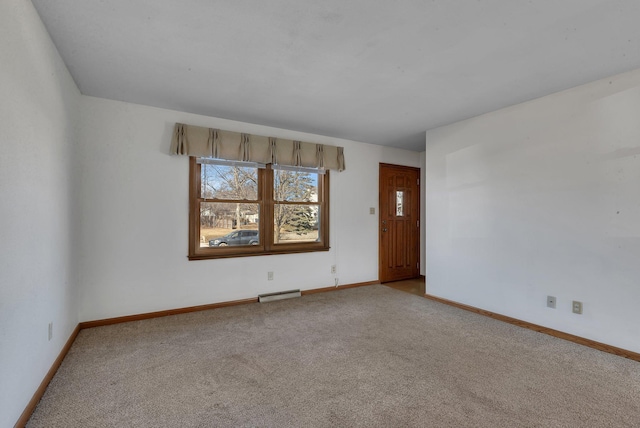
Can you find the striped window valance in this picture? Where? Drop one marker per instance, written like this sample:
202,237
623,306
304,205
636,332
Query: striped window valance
198,141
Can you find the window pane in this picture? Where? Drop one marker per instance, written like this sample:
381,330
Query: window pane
399,203
229,182
229,224
296,223
295,186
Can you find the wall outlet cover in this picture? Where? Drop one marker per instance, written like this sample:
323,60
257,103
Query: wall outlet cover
577,307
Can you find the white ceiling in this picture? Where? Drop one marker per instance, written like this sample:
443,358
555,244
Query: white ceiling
377,71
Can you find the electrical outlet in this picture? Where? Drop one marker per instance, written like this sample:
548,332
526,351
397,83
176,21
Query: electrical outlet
551,302
333,268
372,210
50,330
577,307
269,276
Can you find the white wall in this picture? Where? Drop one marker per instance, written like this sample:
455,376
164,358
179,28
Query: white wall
38,104
134,230
539,199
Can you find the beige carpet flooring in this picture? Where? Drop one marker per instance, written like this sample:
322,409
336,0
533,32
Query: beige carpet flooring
362,357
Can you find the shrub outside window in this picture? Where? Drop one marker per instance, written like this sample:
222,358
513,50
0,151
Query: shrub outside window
244,209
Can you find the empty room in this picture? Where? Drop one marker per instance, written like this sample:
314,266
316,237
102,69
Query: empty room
310,214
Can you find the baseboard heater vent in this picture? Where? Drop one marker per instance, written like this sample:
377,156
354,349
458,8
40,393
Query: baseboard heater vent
280,295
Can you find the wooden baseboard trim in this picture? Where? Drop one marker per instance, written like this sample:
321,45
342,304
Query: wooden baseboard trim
540,329
339,287
158,314
178,311
26,414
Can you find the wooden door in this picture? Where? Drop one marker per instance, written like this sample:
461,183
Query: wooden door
399,228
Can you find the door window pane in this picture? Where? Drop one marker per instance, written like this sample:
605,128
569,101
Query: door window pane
399,203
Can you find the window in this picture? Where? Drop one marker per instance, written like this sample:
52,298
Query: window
399,203
244,209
